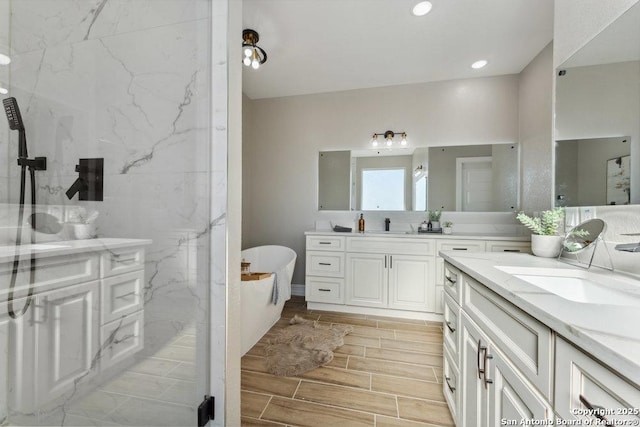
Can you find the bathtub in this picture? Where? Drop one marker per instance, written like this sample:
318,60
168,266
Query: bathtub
257,311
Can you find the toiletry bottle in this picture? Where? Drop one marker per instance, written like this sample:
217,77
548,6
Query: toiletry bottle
361,224
387,221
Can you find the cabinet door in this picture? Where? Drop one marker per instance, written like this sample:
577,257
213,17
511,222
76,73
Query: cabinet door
511,398
473,410
66,328
367,279
411,282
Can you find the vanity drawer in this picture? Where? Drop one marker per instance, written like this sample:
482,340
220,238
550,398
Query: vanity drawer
325,243
451,384
451,326
121,339
325,264
524,340
121,295
51,273
324,289
461,245
499,246
122,260
391,245
452,278
578,375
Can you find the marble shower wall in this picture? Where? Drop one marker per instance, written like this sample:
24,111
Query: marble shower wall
126,80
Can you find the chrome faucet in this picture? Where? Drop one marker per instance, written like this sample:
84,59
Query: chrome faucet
629,247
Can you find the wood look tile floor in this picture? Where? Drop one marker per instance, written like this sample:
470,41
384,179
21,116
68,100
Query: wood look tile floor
388,374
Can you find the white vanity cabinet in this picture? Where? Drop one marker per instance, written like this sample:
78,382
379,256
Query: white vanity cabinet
65,326
325,269
80,322
394,273
583,382
378,274
503,356
492,388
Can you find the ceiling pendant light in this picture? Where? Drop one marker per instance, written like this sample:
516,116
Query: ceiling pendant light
254,55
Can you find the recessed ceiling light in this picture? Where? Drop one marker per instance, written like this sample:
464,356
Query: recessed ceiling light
4,59
479,64
422,8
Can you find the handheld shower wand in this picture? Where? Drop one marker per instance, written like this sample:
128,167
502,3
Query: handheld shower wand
39,163
15,123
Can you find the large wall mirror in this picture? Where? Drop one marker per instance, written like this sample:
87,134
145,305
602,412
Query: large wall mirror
477,178
597,150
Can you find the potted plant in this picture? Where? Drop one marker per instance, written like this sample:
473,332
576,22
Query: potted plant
434,218
545,241
446,227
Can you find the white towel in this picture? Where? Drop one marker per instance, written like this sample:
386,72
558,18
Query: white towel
281,289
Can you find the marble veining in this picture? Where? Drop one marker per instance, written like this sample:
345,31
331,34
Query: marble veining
607,331
128,81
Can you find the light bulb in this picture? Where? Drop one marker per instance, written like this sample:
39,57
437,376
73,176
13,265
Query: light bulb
404,139
389,142
422,8
4,59
246,61
3,91
479,64
248,51
374,140
255,64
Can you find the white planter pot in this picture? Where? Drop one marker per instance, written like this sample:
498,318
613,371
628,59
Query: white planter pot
446,230
435,224
546,246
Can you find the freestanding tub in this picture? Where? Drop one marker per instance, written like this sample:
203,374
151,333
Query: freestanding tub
258,313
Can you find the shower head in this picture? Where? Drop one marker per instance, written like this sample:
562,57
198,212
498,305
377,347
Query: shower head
13,114
15,123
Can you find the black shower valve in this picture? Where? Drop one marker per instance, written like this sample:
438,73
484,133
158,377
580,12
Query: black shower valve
89,184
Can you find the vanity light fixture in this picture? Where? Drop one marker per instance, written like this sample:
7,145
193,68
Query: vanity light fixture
254,55
479,64
422,8
388,137
418,171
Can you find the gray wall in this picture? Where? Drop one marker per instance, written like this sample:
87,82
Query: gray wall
536,132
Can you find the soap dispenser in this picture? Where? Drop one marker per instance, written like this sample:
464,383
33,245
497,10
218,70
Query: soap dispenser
361,223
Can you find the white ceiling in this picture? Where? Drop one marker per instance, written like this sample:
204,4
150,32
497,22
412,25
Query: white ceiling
317,46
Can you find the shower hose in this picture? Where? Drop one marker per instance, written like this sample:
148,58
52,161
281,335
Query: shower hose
16,258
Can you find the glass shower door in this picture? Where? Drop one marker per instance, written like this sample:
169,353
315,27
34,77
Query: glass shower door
104,315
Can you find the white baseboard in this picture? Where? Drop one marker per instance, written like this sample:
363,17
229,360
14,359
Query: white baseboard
297,290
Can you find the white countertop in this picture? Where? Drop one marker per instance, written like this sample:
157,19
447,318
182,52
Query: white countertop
455,236
607,331
66,247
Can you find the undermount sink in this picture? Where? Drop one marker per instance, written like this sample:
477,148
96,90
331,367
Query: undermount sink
580,290
578,285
